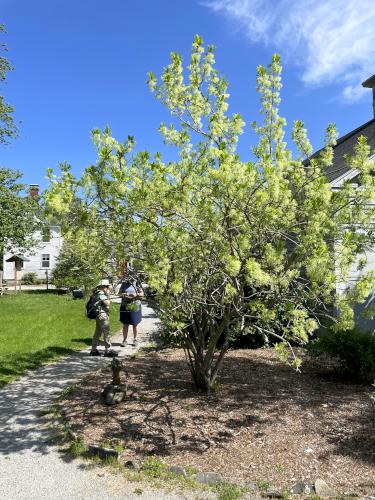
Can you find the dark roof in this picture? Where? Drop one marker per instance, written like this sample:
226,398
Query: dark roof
345,145
15,258
369,83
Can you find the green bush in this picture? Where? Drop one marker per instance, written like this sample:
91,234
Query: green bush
30,279
354,350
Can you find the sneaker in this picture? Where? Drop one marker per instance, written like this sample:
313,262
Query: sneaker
135,343
123,344
95,353
111,354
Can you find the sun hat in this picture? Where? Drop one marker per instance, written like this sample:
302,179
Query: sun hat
104,282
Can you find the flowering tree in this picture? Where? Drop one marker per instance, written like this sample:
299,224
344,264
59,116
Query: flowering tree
227,242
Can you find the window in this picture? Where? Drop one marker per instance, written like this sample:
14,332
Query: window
45,260
46,234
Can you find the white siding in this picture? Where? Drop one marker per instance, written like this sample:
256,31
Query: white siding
52,248
355,273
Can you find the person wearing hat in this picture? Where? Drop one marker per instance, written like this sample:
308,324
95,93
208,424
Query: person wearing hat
102,321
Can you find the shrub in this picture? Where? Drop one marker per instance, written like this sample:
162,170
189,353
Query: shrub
30,279
354,350
248,338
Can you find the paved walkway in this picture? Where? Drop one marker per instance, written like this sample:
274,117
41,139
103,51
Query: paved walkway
31,466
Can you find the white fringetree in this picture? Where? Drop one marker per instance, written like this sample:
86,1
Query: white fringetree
226,242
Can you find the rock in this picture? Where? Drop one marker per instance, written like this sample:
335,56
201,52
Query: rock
302,487
71,434
130,464
103,453
114,394
272,494
176,469
207,477
251,485
323,490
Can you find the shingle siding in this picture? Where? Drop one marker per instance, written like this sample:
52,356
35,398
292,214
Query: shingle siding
345,145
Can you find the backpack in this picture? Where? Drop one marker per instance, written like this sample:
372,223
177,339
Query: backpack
93,306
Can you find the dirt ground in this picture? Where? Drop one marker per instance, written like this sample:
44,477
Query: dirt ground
265,422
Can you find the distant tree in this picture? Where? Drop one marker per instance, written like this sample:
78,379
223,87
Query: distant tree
224,241
8,129
82,261
19,214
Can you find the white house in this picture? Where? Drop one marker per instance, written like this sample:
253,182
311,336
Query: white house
42,258
337,174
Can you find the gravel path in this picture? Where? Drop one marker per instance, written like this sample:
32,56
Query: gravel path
31,466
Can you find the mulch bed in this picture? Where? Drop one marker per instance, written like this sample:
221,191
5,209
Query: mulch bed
265,422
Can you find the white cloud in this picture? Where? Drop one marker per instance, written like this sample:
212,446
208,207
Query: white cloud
330,40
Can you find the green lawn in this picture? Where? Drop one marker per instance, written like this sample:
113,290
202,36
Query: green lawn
37,328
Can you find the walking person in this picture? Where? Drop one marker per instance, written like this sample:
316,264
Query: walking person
130,309
102,302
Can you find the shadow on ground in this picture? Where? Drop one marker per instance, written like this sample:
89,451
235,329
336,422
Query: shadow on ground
14,365
165,415
85,341
21,401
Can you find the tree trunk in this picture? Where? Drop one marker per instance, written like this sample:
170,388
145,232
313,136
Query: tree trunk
202,379
201,348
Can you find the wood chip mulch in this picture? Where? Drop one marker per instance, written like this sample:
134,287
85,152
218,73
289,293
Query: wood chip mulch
265,422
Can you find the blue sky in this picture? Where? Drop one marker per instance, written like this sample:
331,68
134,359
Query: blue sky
83,64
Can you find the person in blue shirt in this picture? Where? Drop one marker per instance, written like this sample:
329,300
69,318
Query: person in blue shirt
130,309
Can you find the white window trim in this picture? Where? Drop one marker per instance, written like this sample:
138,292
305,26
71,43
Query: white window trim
347,176
46,260
337,183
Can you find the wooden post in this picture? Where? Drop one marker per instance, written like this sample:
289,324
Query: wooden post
116,369
18,267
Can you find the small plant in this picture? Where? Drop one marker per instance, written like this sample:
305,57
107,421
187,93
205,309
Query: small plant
285,494
142,397
354,350
138,491
191,470
153,467
30,279
119,447
263,485
281,469
229,491
216,385
77,448
110,461
65,392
